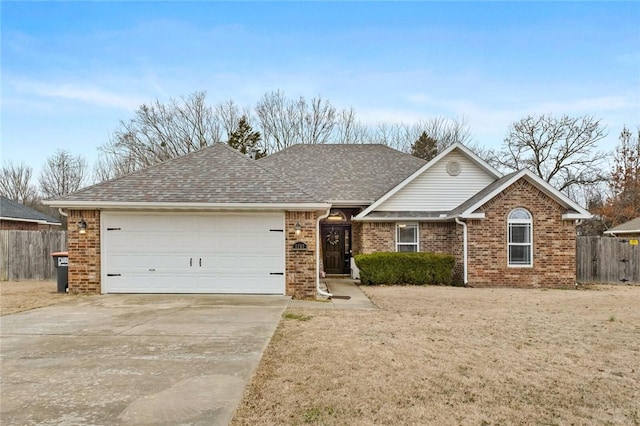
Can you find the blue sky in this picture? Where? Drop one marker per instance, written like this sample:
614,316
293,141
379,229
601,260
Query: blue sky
72,70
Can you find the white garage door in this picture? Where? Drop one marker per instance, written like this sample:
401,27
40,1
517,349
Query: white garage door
193,253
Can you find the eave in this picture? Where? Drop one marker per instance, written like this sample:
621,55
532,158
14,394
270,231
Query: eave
123,205
38,221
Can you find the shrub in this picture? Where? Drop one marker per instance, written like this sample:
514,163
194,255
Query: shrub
405,268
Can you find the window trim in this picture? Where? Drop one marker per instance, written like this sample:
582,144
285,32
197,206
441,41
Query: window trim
529,223
416,226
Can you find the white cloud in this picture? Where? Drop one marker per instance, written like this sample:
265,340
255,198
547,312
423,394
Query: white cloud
88,94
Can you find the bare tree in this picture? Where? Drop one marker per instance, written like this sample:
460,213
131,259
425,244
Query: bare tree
159,132
381,133
348,129
285,122
623,203
62,174
561,151
278,117
394,135
229,114
110,166
445,131
15,183
316,120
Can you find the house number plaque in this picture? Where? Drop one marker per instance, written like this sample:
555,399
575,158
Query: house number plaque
299,245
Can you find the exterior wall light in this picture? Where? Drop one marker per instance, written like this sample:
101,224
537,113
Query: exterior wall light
337,216
82,226
298,229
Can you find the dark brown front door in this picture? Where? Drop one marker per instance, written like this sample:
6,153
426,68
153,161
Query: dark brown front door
336,240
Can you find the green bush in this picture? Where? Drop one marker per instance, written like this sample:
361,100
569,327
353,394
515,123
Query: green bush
405,268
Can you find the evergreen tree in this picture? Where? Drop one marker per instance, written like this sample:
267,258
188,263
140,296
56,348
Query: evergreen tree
245,139
425,147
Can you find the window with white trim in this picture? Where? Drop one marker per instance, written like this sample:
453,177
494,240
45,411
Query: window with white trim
520,238
407,237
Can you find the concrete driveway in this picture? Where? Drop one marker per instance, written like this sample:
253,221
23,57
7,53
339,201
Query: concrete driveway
133,359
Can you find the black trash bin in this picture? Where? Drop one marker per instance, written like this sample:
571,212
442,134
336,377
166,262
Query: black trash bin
61,262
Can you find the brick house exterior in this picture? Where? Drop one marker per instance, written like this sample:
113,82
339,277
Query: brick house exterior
18,217
554,242
331,208
550,229
12,225
84,252
301,264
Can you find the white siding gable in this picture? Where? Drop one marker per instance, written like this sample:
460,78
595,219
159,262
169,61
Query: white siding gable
437,190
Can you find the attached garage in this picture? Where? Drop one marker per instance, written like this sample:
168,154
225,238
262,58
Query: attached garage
193,253
212,221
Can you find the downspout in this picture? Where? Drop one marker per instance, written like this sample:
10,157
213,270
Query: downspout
464,249
62,213
318,289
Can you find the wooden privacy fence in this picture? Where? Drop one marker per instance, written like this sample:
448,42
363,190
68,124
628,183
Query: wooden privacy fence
26,255
607,260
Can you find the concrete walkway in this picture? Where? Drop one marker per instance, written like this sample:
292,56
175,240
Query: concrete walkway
133,359
347,295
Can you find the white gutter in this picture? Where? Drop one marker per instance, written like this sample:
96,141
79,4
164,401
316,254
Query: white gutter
318,289
402,219
187,205
350,203
614,233
38,221
464,248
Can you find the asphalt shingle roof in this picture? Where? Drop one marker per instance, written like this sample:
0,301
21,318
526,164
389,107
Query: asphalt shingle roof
632,226
12,210
215,174
336,172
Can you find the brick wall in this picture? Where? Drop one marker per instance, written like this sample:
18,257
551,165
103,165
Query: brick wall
447,238
553,242
300,265
377,236
436,237
84,252
12,225
356,238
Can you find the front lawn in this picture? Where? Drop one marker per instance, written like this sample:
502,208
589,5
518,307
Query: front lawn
446,355
18,296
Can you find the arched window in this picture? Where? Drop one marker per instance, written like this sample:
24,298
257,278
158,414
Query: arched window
520,235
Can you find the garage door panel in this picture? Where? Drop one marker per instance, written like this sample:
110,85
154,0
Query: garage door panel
194,253
148,259
246,264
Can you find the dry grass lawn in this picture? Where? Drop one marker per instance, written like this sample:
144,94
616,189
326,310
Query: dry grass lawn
18,296
450,356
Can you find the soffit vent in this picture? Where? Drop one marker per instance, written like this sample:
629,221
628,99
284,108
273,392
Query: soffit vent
453,168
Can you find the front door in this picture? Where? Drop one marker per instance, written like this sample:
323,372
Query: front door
336,244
